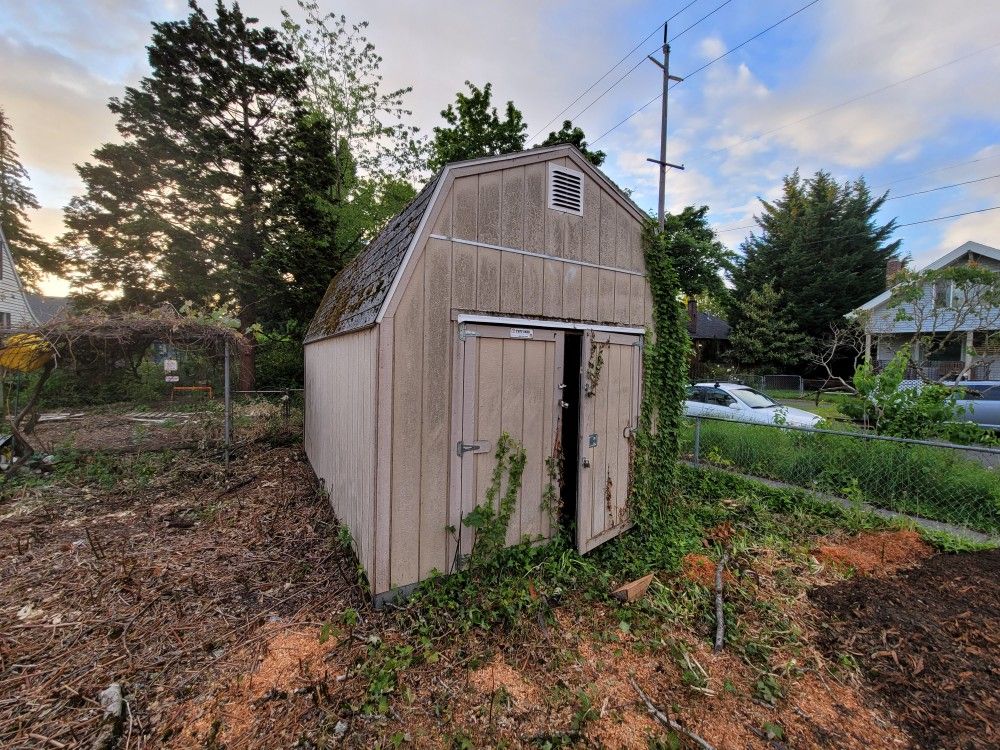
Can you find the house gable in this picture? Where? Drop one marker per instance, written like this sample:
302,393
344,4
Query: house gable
12,295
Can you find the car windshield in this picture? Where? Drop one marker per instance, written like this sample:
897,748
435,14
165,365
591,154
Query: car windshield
754,399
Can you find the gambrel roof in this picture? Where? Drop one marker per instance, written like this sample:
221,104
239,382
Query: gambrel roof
357,295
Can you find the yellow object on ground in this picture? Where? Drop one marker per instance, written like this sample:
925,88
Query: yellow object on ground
24,352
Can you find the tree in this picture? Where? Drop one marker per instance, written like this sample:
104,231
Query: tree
344,83
765,338
33,255
698,257
575,135
820,247
184,207
475,128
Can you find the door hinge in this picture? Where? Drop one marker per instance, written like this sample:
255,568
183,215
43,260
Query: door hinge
464,333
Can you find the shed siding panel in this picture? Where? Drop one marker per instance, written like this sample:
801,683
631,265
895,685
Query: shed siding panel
488,282
489,207
512,208
609,231
591,240
406,432
552,289
532,286
622,297
571,291
340,421
534,208
465,210
605,295
512,416
588,293
463,287
436,411
511,282
535,401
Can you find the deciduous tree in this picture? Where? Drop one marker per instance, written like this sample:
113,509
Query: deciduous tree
765,338
475,128
569,133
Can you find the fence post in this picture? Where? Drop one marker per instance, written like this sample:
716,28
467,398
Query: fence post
802,387
697,440
228,403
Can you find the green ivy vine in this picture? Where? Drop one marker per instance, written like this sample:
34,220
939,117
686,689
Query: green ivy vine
490,519
595,363
665,361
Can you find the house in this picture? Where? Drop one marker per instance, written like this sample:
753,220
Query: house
967,337
508,297
709,335
46,308
15,312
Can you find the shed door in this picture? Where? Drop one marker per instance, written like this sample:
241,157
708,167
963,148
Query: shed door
610,388
510,383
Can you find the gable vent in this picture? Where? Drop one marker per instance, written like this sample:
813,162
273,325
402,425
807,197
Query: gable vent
566,190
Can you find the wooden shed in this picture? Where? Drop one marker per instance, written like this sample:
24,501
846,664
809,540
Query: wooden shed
509,296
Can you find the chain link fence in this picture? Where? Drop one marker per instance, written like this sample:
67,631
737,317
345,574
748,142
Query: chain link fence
784,385
952,484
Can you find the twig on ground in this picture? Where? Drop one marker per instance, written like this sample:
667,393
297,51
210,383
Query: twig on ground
662,717
720,618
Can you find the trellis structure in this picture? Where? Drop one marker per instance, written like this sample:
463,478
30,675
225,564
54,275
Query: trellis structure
99,337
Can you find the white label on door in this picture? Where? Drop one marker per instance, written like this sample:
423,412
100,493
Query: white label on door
521,333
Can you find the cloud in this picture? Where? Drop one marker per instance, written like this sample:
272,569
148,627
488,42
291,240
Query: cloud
711,47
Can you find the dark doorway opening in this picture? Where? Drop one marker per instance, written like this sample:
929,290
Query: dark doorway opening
570,435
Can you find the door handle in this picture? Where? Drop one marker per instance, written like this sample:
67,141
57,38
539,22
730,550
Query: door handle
564,404
586,463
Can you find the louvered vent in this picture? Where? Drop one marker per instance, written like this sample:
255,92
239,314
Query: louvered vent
566,190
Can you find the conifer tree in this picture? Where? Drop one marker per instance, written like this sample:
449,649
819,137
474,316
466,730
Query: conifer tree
33,256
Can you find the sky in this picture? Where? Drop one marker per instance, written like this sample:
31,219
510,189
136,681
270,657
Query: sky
903,92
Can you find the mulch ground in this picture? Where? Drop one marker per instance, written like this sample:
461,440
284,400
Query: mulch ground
157,587
928,640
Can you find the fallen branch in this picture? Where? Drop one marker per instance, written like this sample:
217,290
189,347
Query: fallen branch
661,717
720,618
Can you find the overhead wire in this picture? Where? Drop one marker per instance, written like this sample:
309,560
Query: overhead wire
635,67
706,65
611,69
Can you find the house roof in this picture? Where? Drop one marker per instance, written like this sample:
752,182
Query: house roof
357,296
945,260
45,308
708,326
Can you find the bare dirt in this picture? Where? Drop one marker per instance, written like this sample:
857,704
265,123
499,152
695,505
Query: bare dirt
875,554
928,642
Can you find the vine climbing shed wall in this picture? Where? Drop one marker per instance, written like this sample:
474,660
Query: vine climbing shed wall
484,307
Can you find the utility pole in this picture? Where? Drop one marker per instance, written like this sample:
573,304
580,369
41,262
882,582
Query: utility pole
662,161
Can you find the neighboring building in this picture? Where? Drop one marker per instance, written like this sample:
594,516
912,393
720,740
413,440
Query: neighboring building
45,308
886,333
509,296
709,335
15,312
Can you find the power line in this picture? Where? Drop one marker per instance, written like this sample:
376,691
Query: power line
898,226
853,99
611,69
937,169
893,198
942,187
710,62
631,70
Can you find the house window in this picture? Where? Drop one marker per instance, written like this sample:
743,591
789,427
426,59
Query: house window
943,293
4,320
946,350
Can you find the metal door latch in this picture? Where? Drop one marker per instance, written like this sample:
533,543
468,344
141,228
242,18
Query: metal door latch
586,463
479,446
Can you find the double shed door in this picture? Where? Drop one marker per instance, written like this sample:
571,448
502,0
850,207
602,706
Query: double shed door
511,379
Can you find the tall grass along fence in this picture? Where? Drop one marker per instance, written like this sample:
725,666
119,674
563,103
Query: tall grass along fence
954,484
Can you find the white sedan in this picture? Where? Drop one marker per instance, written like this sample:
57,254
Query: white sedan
742,404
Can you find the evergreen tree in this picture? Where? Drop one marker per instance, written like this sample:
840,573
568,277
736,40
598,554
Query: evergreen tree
184,208
575,135
33,255
765,338
698,257
822,250
475,128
